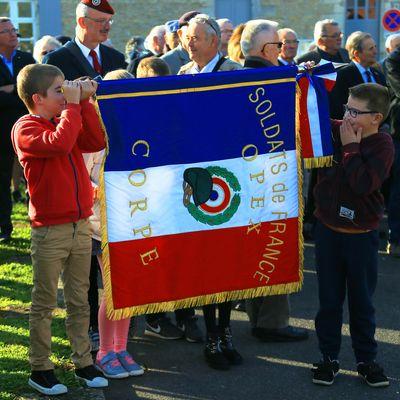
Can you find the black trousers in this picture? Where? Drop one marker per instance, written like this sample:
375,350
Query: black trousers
93,294
6,167
210,317
346,262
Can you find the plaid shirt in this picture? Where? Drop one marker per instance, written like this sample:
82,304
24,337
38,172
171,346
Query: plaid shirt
347,195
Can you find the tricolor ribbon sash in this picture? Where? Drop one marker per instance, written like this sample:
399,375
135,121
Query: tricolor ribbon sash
315,129
200,190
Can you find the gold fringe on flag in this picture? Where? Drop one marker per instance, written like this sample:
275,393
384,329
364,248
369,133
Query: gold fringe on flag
318,162
300,189
203,300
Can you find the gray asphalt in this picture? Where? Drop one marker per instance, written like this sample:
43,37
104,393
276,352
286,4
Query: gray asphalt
176,369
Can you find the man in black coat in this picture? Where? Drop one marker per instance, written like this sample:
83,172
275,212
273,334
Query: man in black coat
328,39
269,316
85,55
362,51
11,108
392,67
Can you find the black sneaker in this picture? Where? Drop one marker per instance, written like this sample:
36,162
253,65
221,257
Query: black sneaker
191,331
46,383
164,329
373,374
324,372
92,377
213,354
227,348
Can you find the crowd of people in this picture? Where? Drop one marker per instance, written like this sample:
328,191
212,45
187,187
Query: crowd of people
48,121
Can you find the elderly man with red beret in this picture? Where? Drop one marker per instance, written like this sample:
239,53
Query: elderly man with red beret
85,55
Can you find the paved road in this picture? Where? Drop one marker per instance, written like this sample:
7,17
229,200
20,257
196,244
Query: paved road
176,369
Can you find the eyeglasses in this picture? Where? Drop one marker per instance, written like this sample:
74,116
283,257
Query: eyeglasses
102,21
334,36
11,31
286,42
278,45
355,113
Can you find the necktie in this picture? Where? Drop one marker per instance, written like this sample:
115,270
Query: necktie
96,64
368,73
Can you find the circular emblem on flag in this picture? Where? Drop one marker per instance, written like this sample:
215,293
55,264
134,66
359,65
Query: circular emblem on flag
96,2
222,199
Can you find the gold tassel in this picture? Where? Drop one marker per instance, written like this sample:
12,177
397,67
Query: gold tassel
107,292
300,243
318,162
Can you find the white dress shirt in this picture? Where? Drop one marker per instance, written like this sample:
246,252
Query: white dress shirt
85,51
207,68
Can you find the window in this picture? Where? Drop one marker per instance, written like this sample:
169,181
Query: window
23,15
361,9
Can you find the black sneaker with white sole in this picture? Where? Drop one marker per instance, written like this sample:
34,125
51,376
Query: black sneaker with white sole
92,377
46,383
164,329
373,374
324,372
191,330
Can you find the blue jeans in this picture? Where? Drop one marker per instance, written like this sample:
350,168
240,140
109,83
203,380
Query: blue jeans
346,261
394,198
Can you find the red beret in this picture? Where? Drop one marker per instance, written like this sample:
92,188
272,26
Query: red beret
185,18
99,5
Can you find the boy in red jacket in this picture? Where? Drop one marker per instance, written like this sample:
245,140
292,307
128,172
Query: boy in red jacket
49,142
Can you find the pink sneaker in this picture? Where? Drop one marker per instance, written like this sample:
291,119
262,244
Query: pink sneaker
110,366
130,365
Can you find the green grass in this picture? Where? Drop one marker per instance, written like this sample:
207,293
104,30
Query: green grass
15,294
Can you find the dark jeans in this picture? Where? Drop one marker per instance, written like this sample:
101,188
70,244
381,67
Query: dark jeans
346,261
394,198
181,315
6,167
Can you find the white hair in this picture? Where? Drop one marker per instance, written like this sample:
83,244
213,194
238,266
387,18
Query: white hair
41,43
157,31
222,21
211,26
389,39
320,28
286,30
248,40
81,10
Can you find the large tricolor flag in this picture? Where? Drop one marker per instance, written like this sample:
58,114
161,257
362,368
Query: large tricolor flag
200,189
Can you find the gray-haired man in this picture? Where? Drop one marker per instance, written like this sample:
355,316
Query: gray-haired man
328,39
269,316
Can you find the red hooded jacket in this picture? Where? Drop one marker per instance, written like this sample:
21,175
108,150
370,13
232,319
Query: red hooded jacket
51,154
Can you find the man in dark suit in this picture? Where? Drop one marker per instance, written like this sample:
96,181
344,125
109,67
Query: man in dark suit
328,39
362,51
269,315
11,108
392,67
85,55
